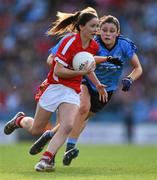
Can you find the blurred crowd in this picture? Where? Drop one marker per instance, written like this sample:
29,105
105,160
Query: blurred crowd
24,47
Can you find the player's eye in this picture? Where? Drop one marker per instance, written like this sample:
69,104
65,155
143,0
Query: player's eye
104,30
112,30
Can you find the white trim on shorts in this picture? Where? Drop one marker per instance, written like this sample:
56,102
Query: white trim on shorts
55,94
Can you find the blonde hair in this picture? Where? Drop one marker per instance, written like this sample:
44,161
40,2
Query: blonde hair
90,10
68,22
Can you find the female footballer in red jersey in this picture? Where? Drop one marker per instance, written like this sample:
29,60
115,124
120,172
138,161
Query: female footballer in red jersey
62,93
124,51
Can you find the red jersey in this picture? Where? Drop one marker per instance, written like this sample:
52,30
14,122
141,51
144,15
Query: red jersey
69,47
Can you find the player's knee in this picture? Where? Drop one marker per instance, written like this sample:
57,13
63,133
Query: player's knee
68,128
84,109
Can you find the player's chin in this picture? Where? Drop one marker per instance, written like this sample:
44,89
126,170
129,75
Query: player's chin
107,42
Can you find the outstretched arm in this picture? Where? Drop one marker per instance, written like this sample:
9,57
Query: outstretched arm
110,59
137,68
135,73
100,59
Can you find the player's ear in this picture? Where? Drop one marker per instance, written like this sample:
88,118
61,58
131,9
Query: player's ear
81,27
118,33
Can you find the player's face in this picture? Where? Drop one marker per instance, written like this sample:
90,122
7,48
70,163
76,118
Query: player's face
109,33
90,28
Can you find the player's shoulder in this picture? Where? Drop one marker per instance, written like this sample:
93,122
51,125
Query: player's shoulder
67,42
124,40
69,37
126,43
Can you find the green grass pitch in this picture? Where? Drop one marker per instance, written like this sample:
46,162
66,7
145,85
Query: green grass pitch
95,162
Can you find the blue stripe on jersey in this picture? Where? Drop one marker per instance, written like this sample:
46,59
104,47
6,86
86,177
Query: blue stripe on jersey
55,48
107,73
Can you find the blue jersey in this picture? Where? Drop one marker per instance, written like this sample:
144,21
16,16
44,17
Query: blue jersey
108,73
54,49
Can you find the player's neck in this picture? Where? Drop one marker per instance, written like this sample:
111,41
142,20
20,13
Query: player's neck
85,42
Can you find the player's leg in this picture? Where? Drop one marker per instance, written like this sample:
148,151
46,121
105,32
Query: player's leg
67,114
95,106
71,152
34,126
49,126
40,143
79,125
90,105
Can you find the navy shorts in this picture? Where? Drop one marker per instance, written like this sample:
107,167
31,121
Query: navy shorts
96,105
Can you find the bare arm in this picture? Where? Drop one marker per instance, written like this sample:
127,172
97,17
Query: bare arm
64,72
100,59
92,77
137,68
103,95
50,59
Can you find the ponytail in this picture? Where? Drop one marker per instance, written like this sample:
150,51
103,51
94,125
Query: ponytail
67,22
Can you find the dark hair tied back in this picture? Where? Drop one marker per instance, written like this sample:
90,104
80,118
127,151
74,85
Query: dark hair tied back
83,19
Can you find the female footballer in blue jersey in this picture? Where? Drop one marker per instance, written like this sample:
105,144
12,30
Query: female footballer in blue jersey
120,51
123,51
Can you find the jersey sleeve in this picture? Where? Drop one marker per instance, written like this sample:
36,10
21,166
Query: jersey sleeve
129,48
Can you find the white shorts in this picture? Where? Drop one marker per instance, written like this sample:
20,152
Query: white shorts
55,94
